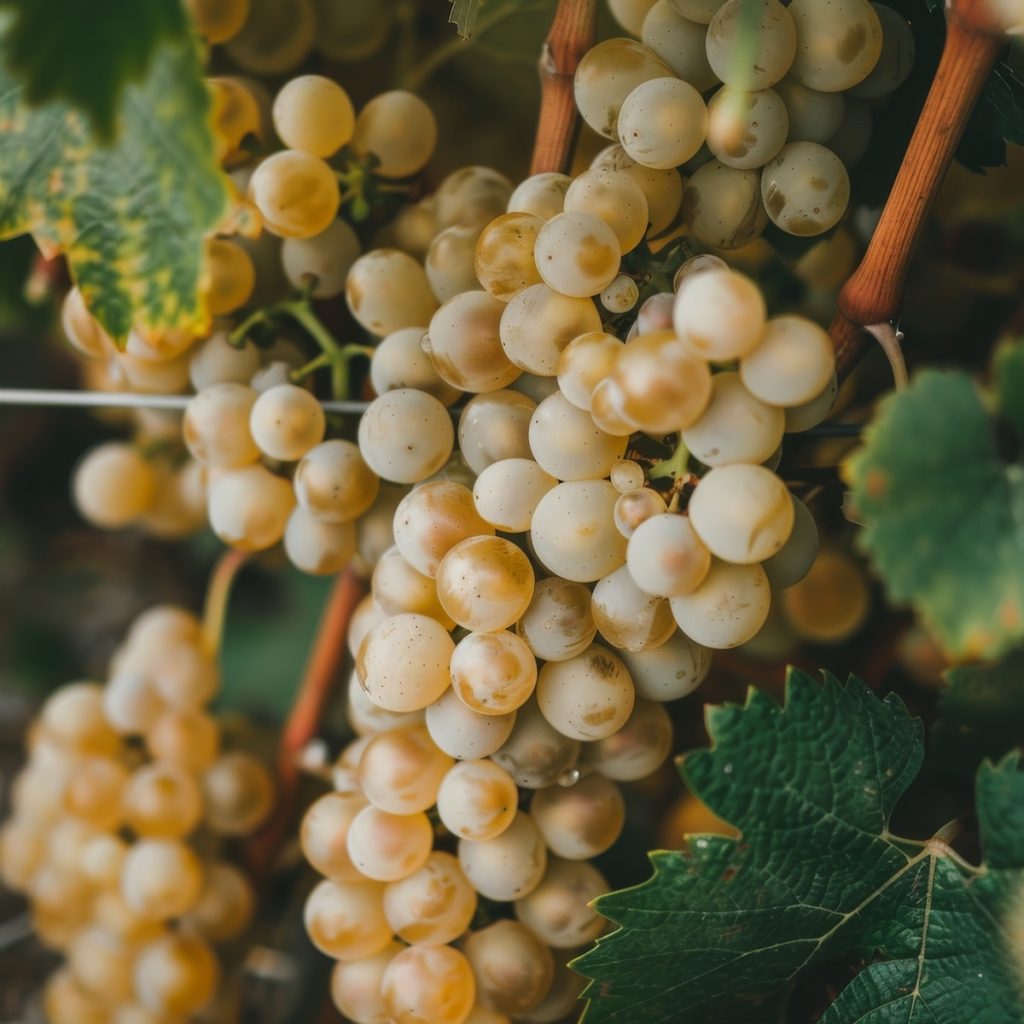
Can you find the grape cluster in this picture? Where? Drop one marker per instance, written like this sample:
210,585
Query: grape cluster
766,105
118,831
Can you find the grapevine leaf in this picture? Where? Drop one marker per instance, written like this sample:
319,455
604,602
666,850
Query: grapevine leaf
130,216
945,519
724,926
463,16
85,53
980,714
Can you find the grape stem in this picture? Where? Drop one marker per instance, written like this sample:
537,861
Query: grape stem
301,312
307,711
573,32
675,466
218,590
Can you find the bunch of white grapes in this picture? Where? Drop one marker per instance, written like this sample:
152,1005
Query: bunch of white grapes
766,105
118,828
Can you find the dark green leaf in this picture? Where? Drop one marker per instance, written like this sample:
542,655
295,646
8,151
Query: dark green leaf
980,714
725,926
131,217
940,488
85,53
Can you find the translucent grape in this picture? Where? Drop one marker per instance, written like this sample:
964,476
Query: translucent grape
504,262
464,346
387,847
747,54
663,189
324,835
506,493
607,74
558,623
746,129
508,866
662,387
663,122
728,608
837,46
327,257
216,426
814,116
355,986
513,967
225,904
794,559
541,195
403,662
580,821
627,617
473,196
723,207
831,602
478,800
274,39
566,443
680,42
638,749
398,587
635,507
449,261
162,801
485,583
720,315
296,194
400,770
735,426
387,290
314,114
176,974
810,414
238,792
399,129
493,673
805,189
333,482
428,985
346,920
464,733
113,485
539,322
249,507
495,427
559,910
793,363
160,879
573,531
577,254
228,276
406,436
432,905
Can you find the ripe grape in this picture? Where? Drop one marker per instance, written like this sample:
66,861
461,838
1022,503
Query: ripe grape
286,422
720,315
225,905
334,483
627,617
794,559
747,54
387,290
513,967
249,507
449,261
324,835
837,46
399,129
495,427
400,770
542,195
162,801
805,189
577,253
663,189
580,821
317,547
506,493
503,260
746,129
477,800
406,436
387,847
635,507
462,732
296,194
558,624
314,114
428,985
680,41
663,123
637,750
559,911
723,205
113,485
228,276
346,920
238,793
510,865
566,443
326,257
160,878
727,609
274,39
615,198
793,363
355,985
493,673
814,116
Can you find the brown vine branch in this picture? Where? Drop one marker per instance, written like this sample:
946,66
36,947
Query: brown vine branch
307,712
874,293
572,33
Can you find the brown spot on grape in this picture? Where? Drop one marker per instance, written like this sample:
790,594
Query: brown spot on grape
774,200
602,665
852,43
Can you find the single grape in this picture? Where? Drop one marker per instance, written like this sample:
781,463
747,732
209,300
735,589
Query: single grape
720,315
113,485
722,205
160,879
228,276
793,363
510,865
449,261
680,42
566,443
274,39
433,905
400,770
627,617
428,985
346,920
162,801
542,195
814,116
472,196
794,559
477,800
746,129
485,583
238,794
406,436
749,54
387,290
831,602
805,189
560,910
493,673
355,986
249,507
635,507
638,749
513,967
324,831
614,197
286,422
583,820
314,114
225,905
462,732
399,129
387,847
663,189
663,123
495,427
837,45
621,295
577,253
334,483
630,13
810,414
326,257
503,261
727,609
539,322
506,493
296,193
